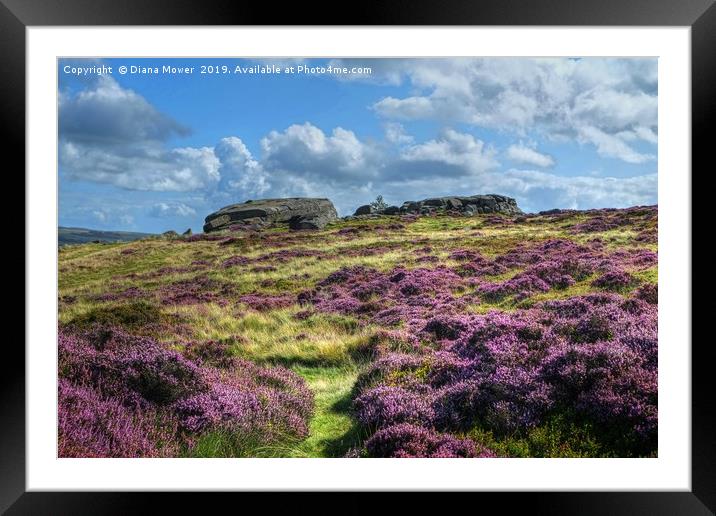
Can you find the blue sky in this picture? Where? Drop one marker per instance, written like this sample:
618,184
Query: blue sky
153,152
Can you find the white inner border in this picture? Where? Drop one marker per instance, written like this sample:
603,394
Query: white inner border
670,471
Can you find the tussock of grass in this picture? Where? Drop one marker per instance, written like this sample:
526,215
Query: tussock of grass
239,445
278,337
650,275
560,437
132,315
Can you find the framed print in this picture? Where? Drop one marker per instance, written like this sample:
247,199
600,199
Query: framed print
420,250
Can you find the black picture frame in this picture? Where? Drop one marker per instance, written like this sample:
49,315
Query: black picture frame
700,15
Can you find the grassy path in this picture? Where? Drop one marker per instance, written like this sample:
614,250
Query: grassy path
332,430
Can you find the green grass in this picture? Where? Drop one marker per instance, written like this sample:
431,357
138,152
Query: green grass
333,432
650,275
561,435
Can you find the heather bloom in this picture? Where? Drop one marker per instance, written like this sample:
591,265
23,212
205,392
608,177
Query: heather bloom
391,366
447,368
480,268
251,400
158,375
499,370
92,426
609,383
648,292
407,441
200,289
403,296
211,353
220,407
285,255
384,342
608,219
466,255
235,261
522,284
427,259
446,327
614,279
385,405
595,225
647,236
122,395
128,293
135,370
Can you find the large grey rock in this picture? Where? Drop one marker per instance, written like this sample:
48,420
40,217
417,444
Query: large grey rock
453,203
297,212
366,209
318,221
437,202
410,207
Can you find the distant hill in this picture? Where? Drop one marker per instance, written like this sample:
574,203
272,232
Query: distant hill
82,236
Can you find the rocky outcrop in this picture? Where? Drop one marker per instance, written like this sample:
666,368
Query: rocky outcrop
297,213
367,209
472,205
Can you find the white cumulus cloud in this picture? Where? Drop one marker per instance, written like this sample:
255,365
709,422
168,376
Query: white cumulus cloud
172,209
107,113
239,170
557,97
142,167
527,154
453,153
306,151
395,133
112,135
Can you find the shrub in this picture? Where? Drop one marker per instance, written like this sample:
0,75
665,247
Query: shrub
379,204
446,327
211,353
268,404
608,383
92,426
614,279
648,292
386,405
408,441
134,370
133,315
